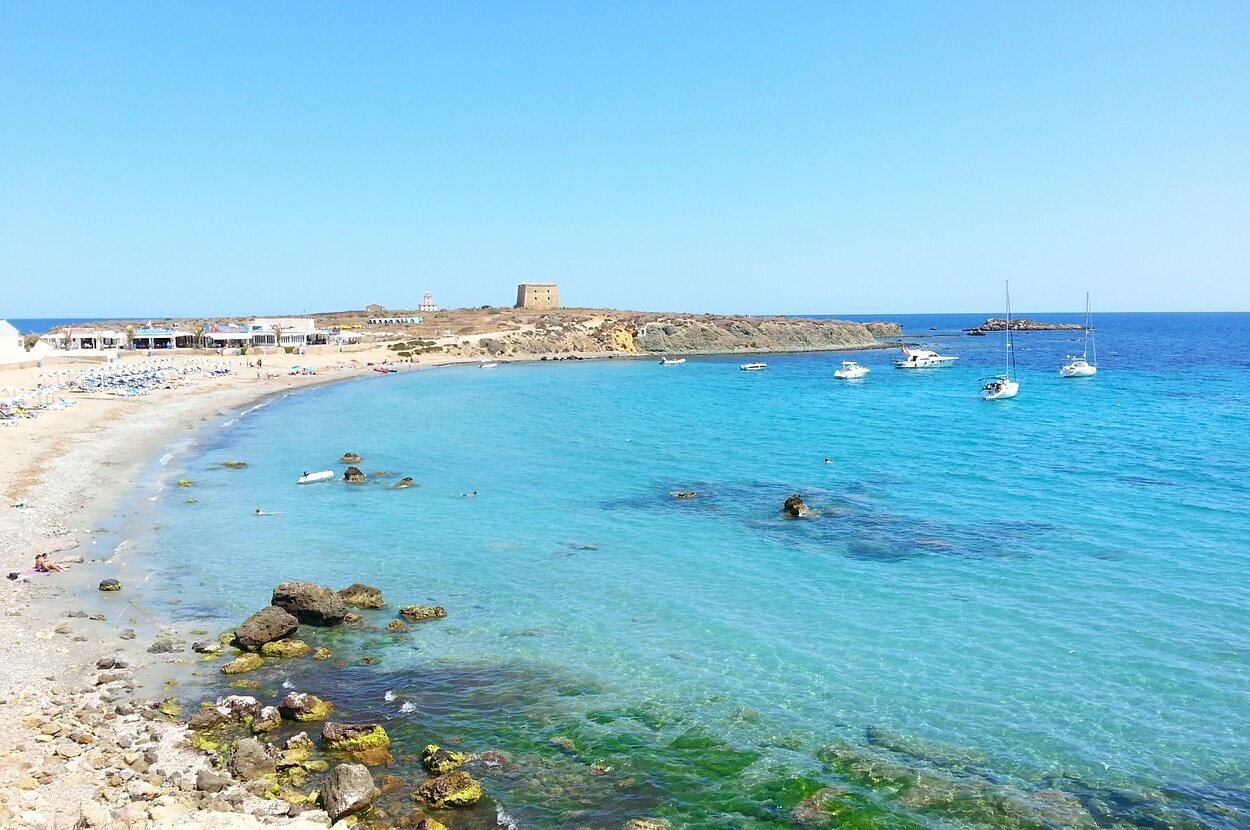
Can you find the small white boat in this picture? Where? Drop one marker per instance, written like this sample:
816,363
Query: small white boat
487,365
1081,367
1003,387
672,361
312,478
851,371
923,359
753,367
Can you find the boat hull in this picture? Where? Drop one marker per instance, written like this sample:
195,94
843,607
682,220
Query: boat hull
1078,371
1004,390
313,478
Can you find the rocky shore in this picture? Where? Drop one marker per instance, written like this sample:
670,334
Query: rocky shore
1000,324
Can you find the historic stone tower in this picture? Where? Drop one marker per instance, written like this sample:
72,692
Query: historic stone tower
538,295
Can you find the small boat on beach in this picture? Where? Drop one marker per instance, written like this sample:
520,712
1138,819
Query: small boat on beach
1081,367
672,361
753,367
385,370
1004,386
923,359
312,478
851,371
487,365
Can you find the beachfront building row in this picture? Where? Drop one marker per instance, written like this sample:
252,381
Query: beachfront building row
262,332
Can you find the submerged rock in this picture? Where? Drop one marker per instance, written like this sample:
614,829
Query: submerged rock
303,707
648,824
404,482
348,790
234,465
795,508
322,653
439,761
935,752
362,596
683,494
285,648
455,789
243,664
310,603
109,585
396,625
354,474
265,626
417,613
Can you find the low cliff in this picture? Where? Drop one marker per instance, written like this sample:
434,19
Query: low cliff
633,333
1000,324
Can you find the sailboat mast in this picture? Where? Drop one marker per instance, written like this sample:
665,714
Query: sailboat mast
1010,356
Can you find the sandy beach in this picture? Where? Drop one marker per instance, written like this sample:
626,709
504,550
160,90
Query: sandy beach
75,751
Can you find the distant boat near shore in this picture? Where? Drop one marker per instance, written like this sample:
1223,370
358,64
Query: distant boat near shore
851,371
753,367
672,361
923,359
1081,367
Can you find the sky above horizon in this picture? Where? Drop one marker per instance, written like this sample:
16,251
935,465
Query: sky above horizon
179,159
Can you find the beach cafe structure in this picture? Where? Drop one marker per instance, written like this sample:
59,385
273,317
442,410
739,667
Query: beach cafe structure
291,331
163,338
220,336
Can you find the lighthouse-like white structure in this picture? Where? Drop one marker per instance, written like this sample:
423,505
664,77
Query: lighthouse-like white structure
427,302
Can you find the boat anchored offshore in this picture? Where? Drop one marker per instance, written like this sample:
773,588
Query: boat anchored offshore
1004,386
312,478
923,359
851,371
487,365
1081,367
672,361
753,367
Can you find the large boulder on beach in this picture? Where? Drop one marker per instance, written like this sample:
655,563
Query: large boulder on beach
251,760
265,626
110,585
455,789
354,474
301,706
794,507
362,596
347,790
310,603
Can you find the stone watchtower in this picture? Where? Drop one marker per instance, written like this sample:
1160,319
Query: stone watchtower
538,295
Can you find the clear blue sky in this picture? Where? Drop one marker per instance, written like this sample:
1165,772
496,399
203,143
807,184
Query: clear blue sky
226,158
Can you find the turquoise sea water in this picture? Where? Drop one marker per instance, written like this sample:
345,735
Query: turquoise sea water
1049,593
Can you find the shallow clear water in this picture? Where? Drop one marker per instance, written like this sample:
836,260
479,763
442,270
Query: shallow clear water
1059,583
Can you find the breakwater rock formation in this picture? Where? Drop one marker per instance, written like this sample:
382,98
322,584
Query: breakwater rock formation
632,333
1000,324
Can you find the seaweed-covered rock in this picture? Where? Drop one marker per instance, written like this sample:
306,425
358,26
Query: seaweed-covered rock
244,663
396,625
420,821
455,789
268,719
310,603
362,596
285,648
322,653
647,824
439,761
417,613
350,458
354,737
234,465
251,760
794,507
354,474
347,790
303,707
110,585
265,626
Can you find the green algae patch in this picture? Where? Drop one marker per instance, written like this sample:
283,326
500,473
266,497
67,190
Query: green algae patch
285,648
439,761
244,683
344,738
455,789
243,664
185,482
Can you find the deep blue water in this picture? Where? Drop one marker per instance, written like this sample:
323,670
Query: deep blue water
39,325
1058,584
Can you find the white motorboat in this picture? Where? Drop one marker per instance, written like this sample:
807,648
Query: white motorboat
672,361
923,359
1081,367
1004,386
487,365
851,371
312,478
753,367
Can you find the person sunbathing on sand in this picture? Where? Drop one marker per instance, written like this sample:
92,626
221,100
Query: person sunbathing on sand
43,566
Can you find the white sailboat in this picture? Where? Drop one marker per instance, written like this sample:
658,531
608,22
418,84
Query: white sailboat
1004,386
1082,367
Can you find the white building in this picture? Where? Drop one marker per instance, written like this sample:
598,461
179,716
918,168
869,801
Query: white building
295,331
427,303
222,336
13,346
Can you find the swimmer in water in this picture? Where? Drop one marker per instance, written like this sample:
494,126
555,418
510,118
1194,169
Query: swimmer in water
472,495
260,512
827,461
